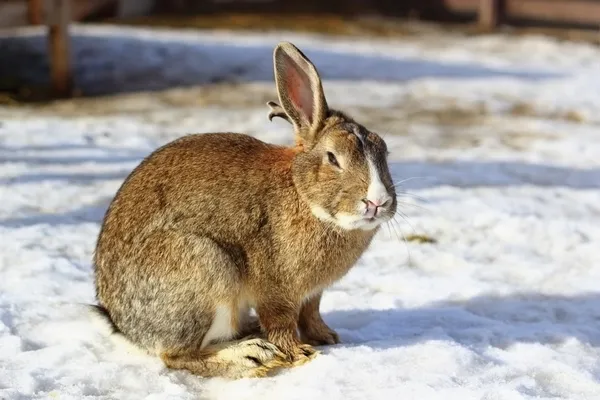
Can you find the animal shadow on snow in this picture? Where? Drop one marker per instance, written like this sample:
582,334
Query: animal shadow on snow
477,323
106,64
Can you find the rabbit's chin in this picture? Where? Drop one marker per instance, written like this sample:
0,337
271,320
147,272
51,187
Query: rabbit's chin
351,222
348,221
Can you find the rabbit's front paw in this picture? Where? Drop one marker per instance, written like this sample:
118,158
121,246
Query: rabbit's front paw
303,354
319,335
296,352
289,343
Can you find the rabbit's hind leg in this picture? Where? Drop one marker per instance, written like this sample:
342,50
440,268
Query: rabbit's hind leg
175,291
252,358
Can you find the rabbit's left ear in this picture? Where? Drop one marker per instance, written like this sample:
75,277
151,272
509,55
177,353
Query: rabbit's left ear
277,111
300,91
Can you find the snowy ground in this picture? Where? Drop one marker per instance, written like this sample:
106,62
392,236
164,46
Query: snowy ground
503,133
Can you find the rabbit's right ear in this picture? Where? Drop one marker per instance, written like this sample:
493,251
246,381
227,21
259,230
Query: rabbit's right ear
300,91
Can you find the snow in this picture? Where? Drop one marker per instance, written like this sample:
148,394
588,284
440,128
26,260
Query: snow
503,305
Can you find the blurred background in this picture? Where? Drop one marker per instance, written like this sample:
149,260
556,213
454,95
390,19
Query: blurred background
29,74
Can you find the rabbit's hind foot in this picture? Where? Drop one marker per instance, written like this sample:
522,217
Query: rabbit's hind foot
253,358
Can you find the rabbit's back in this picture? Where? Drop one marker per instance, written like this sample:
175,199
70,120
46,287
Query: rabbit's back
219,184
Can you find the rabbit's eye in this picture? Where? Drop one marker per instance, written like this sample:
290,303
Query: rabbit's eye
332,159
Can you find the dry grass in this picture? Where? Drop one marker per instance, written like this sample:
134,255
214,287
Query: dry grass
529,110
421,239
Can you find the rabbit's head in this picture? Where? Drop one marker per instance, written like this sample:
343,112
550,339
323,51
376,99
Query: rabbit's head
341,167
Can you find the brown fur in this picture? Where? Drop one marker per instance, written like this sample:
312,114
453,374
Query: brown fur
224,220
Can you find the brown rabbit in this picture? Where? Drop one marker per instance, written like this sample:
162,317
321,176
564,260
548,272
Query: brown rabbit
213,225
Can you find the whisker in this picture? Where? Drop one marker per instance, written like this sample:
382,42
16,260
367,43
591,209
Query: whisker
413,205
388,224
410,179
389,229
406,246
395,230
400,191
414,196
404,192
405,218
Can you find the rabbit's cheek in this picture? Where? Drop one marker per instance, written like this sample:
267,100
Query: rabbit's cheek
348,221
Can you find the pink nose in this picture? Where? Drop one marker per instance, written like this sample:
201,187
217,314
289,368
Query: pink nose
375,203
372,208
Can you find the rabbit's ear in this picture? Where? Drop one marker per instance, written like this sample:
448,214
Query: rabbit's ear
300,90
277,111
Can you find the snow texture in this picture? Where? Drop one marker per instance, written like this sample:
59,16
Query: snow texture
499,133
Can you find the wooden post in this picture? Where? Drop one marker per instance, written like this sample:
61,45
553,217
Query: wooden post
58,42
489,13
34,12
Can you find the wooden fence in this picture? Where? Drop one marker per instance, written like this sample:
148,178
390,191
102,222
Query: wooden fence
489,13
582,13
57,14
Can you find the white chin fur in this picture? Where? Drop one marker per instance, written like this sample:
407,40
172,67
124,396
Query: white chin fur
345,220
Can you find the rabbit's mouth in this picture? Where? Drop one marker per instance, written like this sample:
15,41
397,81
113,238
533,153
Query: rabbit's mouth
366,222
370,223
360,219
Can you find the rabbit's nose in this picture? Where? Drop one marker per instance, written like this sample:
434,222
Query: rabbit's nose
371,208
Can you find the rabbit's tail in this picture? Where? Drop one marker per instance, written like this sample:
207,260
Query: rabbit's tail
104,322
102,317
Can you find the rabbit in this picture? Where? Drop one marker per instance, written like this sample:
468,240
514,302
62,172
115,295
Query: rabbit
212,227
